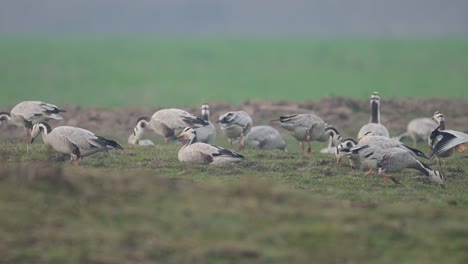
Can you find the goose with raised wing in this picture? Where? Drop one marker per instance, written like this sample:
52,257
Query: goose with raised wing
374,124
234,125
28,113
265,138
307,128
445,142
198,152
419,129
167,123
392,160
206,134
77,142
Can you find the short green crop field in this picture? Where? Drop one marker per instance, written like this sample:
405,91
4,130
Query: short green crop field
190,71
141,205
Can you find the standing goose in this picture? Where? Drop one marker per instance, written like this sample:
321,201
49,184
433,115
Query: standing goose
265,138
445,142
206,134
198,152
374,123
167,123
392,160
418,129
235,125
28,113
308,127
77,142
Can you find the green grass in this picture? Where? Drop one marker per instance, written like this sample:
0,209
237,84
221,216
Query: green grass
191,71
142,205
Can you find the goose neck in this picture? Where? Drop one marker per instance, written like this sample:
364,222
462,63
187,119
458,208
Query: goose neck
375,112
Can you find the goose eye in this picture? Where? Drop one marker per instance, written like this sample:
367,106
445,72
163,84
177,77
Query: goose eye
142,125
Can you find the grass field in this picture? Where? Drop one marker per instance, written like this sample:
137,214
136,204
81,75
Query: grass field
143,206
181,72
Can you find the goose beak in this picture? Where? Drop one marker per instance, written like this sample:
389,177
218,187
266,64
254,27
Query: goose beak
181,135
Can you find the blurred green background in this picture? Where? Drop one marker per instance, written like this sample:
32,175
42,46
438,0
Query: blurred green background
182,71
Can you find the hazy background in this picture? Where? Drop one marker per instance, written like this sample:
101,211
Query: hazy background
251,17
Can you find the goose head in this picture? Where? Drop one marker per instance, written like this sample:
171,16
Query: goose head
344,148
205,111
439,118
436,177
140,127
39,128
334,134
4,116
188,133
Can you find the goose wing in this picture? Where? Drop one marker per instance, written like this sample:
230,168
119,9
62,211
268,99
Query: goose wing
299,120
240,118
82,138
448,139
32,110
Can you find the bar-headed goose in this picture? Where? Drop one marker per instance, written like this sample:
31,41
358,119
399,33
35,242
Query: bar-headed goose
236,124
392,160
206,134
203,153
418,129
308,127
167,123
445,142
374,124
77,142
265,138
28,113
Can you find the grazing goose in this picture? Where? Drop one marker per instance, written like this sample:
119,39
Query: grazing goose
167,123
418,129
265,138
77,142
198,152
206,134
235,125
392,160
374,123
28,113
445,142
308,127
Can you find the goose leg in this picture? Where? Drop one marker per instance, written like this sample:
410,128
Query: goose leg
369,172
28,139
386,176
302,146
241,141
166,141
439,162
309,147
230,143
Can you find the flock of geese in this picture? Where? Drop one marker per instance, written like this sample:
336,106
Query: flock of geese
373,148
